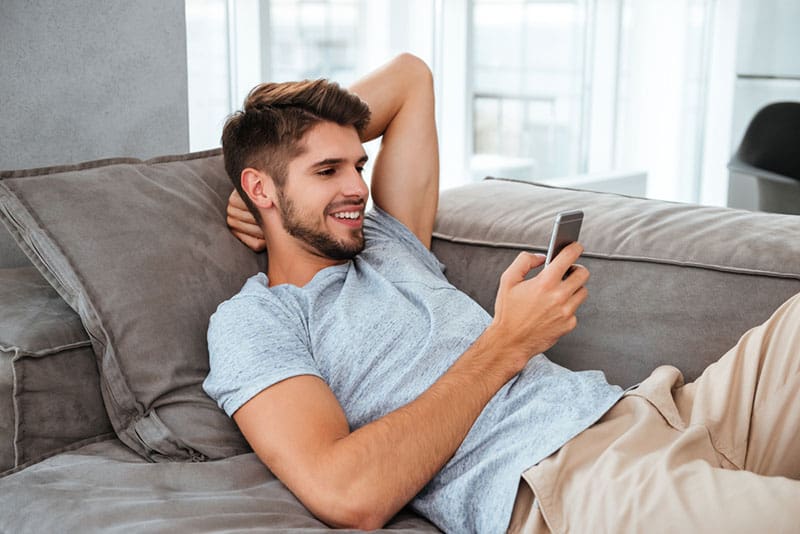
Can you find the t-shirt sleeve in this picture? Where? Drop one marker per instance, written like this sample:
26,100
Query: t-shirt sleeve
381,227
252,346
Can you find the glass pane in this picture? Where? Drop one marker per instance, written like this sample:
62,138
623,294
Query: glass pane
663,88
527,86
233,45
208,71
310,39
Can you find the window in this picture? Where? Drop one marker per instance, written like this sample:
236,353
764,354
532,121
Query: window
528,78
603,94
232,45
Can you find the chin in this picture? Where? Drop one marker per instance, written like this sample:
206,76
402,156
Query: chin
346,252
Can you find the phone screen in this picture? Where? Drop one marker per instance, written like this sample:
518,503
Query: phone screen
566,230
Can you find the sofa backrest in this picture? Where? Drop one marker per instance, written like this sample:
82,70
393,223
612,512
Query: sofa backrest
671,283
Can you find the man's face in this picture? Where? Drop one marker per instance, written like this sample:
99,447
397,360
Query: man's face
323,198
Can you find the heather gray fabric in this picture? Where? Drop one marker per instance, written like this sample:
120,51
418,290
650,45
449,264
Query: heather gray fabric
10,254
380,330
106,488
671,283
7,419
49,386
142,252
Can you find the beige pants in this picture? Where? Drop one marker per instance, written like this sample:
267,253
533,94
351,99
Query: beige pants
721,454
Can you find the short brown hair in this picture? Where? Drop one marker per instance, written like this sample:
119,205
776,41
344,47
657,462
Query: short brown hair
265,135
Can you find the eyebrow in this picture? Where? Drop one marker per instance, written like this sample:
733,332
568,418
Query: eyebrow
336,161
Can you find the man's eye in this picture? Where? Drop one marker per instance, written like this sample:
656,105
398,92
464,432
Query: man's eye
360,169
327,172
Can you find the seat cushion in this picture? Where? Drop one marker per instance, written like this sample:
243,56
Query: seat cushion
105,487
49,386
142,252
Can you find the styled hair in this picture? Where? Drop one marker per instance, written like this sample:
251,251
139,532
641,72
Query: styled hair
266,134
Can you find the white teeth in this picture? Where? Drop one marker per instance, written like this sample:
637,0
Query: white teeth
347,215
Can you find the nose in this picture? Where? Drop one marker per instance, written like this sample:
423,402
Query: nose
355,185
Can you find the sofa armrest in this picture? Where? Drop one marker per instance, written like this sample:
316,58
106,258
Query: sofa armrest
671,283
49,386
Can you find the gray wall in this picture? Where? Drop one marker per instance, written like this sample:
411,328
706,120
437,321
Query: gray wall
83,79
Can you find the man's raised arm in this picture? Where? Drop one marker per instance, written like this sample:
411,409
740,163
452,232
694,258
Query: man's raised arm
405,176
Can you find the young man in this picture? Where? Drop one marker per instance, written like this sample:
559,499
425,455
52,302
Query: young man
365,381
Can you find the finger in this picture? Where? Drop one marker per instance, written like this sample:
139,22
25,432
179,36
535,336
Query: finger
243,214
236,200
579,297
576,279
252,243
565,259
520,267
247,228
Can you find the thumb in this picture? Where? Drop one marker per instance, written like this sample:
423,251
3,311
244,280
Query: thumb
520,267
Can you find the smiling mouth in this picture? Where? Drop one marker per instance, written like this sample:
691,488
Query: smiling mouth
352,218
352,215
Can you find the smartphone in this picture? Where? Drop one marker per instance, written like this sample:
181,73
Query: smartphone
566,230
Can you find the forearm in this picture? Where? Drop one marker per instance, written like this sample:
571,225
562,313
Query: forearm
405,174
384,464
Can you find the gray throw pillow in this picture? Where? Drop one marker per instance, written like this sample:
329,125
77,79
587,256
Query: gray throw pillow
142,252
49,387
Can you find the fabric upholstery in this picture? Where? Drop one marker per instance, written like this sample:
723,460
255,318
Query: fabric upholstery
105,487
49,386
142,252
7,419
671,283
10,254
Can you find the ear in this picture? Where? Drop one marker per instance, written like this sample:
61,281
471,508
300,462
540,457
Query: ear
259,187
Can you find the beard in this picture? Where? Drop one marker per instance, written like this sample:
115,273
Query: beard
322,242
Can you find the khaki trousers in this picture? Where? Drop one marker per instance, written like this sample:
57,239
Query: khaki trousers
721,454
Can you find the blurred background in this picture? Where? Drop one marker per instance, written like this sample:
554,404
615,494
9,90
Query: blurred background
644,97
647,97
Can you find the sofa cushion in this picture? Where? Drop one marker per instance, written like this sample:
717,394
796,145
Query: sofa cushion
142,252
671,283
104,487
49,386
10,254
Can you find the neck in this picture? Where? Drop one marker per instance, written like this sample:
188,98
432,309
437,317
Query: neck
294,265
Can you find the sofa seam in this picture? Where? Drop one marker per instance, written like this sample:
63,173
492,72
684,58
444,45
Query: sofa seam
24,353
619,257
57,169
605,193
106,436
17,414
33,172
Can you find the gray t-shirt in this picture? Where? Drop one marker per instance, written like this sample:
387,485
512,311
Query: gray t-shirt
380,330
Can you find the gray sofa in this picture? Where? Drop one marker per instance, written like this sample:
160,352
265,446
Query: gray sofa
110,270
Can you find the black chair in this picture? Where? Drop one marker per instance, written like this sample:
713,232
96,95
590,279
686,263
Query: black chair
770,154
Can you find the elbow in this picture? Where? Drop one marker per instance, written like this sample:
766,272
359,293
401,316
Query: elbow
345,510
361,520
414,67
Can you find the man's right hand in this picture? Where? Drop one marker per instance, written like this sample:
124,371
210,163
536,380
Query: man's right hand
243,225
531,315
